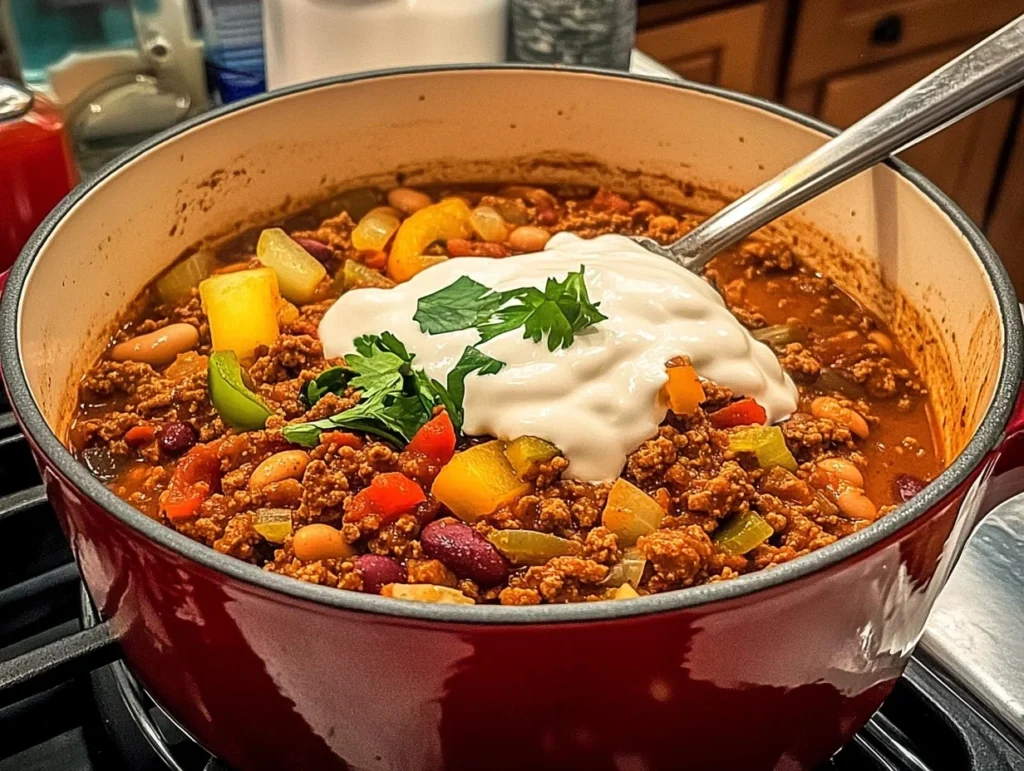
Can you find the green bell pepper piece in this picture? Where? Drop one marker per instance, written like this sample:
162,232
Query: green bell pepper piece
237,406
742,533
767,443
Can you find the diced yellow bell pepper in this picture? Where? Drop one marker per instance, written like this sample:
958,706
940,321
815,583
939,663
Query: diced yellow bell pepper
374,230
527,453
438,222
630,512
477,481
625,592
531,547
242,309
298,272
275,525
685,393
426,593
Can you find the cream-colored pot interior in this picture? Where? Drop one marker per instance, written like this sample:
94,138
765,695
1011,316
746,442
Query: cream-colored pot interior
465,125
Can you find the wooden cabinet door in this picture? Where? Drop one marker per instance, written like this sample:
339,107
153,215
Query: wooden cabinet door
730,48
962,160
1006,224
834,36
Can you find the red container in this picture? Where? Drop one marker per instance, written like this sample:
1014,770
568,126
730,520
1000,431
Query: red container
771,671
37,166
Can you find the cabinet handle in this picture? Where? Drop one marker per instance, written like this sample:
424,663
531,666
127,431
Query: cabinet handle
888,31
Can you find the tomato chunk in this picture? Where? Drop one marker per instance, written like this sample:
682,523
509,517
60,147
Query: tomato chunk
435,439
741,413
195,478
389,496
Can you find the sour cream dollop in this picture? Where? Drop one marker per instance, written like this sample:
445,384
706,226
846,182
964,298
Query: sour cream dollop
599,399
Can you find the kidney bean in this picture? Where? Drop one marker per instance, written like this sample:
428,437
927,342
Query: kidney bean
464,551
175,438
378,571
318,249
906,486
159,347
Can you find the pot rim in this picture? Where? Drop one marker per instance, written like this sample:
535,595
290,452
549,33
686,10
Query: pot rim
985,439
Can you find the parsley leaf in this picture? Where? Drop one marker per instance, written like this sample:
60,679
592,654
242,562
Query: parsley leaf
559,312
331,381
395,399
472,360
457,306
380,372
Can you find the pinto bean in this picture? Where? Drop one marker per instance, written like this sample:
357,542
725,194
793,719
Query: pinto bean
286,494
407,200
856,505
528,238
290,464
883,341
844,470
663,222
159,347
828,408
320,542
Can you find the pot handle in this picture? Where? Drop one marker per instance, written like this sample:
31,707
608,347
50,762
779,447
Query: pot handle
1007,479
60,660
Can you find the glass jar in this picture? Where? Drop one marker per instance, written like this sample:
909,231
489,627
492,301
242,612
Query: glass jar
594,33
37,168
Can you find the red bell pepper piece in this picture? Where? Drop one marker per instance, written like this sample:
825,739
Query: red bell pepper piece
435,439
389,496
741,413
195,479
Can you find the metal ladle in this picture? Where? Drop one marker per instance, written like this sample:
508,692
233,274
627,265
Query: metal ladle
990,70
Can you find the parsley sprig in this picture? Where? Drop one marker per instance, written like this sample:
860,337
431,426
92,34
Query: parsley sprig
561,311
395,399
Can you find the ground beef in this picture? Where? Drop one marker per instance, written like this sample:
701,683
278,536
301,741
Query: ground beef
677,556
687,468
727,492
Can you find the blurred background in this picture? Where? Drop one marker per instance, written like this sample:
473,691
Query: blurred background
106,73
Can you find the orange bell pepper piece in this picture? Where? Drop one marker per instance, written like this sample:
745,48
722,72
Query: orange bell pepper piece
438,222
685,393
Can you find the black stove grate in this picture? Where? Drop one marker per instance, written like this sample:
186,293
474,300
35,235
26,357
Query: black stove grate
77,720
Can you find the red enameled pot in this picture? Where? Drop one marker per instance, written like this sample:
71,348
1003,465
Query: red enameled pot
773,670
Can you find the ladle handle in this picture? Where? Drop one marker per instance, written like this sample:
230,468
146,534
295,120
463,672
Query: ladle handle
978,77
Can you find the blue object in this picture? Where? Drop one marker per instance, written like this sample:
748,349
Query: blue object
233,33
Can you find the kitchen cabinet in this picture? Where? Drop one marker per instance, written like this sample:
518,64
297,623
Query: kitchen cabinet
840,59
962,160
734,47
1006,225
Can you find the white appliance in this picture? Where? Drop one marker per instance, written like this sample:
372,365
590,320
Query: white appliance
309,39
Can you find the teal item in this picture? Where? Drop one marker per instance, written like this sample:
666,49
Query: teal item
46,33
